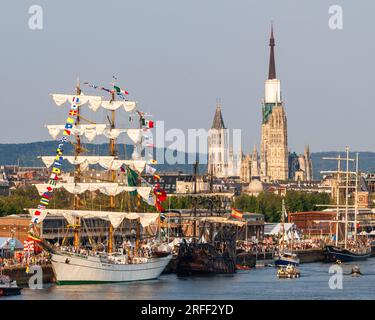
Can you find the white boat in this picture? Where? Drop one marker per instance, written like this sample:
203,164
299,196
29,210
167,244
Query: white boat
286,258
75,268
82,262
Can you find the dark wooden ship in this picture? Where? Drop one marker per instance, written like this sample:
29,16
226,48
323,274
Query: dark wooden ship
215,257
212,249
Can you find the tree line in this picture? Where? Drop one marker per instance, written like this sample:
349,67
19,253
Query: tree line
270,204
266,203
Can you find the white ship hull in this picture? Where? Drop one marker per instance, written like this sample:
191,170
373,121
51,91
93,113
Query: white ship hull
72,269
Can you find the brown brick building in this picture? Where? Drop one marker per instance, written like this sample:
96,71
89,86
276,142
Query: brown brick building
312,223
15,225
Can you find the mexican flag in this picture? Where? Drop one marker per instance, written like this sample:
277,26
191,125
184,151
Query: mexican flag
132,179
119,90
148,123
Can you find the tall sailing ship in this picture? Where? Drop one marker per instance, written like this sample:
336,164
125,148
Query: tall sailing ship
285,256
86,263
346,248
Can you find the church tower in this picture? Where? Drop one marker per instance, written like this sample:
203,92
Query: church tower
274,141
254,163
308,164
218,151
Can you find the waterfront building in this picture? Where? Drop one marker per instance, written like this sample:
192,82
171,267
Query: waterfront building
312,223
187,185
16,226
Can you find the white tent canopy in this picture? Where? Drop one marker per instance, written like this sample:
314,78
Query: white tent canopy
276,229
5,244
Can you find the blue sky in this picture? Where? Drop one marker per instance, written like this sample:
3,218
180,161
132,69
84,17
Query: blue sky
177,57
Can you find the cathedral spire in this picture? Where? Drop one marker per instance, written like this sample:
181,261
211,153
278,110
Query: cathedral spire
218,122
272,65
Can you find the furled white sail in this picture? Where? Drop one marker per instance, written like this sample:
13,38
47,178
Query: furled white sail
107,162
94,102
135,135
130,105
90,131
75,160
114,105
113,133
137,165
107,188
115,218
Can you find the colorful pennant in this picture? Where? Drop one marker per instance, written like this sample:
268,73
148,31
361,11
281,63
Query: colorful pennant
44,201
117,90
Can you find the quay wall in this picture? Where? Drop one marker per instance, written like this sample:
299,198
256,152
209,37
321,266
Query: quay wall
19,274
310,255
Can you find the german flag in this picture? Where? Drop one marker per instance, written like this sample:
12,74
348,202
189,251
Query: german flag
236,214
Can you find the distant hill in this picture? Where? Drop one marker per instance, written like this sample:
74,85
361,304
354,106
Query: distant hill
366,161
25,154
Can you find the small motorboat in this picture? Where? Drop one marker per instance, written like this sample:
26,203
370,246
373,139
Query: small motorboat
290,271
8,287
286,258
356,272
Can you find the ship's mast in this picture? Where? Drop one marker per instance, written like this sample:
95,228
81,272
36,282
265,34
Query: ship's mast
139,152
282,225
77,172
338,199
356,197
338,186
195,201
346,197
112,152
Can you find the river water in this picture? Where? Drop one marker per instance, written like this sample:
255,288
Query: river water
259,284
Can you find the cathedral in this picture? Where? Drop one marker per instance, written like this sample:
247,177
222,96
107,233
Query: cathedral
275,162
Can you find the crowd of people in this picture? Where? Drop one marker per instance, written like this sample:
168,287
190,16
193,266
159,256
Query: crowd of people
127,252
21,260
271,246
